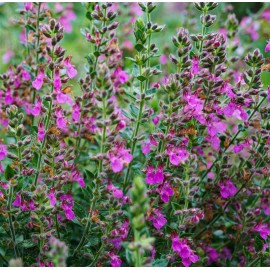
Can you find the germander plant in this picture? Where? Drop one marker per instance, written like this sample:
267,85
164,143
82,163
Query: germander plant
109,176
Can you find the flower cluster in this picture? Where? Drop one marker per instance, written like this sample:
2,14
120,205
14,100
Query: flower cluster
139,150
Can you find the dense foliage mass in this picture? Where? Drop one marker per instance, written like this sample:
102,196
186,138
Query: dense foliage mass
152,155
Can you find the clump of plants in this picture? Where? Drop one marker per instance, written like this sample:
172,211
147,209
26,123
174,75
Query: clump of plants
159,158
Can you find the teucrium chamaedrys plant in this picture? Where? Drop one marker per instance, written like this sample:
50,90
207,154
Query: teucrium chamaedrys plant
147,159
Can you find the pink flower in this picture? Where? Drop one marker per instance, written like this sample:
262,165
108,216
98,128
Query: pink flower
76,115
71,71
153,177
37,108
212,254
38,82
267,47
115,260
187,255
268,90
57,80
25,75
3,151
60,119
166,192
147,144
266,14
67,206
163,59
158,219
195,65
77,177
63,98
8,97
263,229
265,205
51,196
118,157
122,124
18,201
121,76
155,120
41,132
227,189
28,5
7,56
176,154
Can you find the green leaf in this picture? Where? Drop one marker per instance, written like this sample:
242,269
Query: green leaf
139,47
126,114
126,134
162,262
30,27
150,91
26,67
97,54
9,172
134,110
131,59
141,78
27,244
135,71
88,16
258,244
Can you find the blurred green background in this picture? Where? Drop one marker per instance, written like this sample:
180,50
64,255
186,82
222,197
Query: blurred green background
173,15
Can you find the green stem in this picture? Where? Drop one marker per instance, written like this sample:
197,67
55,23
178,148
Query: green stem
44,140
12,230
86,229
135,133
37,54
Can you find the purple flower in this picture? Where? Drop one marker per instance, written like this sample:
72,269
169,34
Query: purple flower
118,157
158,219
77,177
63,98
37,108
51,196
57,80
265,205
25,75
76,115
187,255
263,229
3,151
18,201
7,56
38,82
267,47
163,59
176,154
28,6
147,144
41,132
121,76
195,65
155,120
266,15
8,97
153,177
212,254
60,119
115,260
227,189
166,192
71,71
67,206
